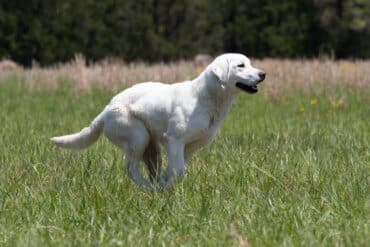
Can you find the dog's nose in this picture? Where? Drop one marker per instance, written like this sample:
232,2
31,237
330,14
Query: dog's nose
262,75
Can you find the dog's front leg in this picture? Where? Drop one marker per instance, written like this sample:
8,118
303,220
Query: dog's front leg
176,163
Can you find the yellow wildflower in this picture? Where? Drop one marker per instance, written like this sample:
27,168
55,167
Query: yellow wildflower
313,101
347,66
337,103
199,69
301,109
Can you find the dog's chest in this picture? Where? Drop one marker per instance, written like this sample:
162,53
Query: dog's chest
209,119
203,130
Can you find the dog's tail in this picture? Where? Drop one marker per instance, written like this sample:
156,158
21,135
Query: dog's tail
82,139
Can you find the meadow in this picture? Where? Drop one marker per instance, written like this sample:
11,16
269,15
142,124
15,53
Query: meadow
289,167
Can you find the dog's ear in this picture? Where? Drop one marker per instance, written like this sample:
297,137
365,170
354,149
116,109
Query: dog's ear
221,71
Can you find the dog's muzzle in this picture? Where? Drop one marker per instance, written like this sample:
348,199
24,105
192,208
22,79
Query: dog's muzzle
246,88
254,88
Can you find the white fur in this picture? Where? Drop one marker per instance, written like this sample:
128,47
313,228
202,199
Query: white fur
183,117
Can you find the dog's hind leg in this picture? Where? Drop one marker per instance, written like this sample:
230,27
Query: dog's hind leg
130,134
134,149
135,146
153,160
133,170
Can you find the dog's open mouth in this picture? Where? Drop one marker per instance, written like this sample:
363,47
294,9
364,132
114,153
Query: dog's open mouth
246,88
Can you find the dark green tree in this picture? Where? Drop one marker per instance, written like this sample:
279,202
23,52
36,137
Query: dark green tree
163,30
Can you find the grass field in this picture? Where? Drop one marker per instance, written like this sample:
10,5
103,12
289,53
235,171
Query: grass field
292,172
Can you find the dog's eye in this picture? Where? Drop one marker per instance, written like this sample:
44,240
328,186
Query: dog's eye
241,65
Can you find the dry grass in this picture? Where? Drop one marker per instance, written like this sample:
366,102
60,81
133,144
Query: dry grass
108,74
312,75
112,74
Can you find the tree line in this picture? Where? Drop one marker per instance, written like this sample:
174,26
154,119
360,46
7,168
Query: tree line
163,30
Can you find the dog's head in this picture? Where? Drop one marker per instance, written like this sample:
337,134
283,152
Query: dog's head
235,71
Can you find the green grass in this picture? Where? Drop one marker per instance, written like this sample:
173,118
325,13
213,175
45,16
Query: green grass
279,176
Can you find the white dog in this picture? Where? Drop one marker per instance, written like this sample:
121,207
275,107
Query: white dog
183,117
